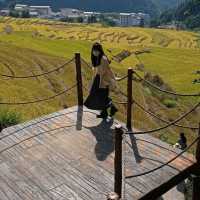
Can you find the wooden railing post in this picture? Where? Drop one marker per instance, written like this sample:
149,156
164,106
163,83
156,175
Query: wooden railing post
196,174
130,99
118,160
79,79
198,148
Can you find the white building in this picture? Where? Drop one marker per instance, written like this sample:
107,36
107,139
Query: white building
125,19
35,11
41,10
133,19
145,17
21,7
33,14
70,12
4,12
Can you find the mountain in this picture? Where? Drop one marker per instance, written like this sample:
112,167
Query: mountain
149,6
188,14
167,4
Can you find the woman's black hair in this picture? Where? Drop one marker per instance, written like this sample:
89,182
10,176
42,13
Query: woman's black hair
96,60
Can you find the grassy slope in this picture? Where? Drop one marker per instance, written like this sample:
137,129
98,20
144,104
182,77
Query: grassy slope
174,56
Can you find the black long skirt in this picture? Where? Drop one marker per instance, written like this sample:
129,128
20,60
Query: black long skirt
98,99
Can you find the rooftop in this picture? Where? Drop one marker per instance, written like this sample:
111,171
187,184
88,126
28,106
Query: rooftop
40,6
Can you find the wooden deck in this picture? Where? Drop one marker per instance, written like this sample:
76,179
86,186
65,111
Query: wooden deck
76,162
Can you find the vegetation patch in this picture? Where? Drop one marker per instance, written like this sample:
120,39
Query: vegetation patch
8,118
122,55
170,103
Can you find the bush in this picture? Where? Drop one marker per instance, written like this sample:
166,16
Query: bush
8,118
169,103
8,29
14,13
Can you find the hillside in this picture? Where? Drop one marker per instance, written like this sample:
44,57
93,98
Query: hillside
149,6
35,46
187,14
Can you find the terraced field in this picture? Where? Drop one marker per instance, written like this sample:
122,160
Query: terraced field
33,46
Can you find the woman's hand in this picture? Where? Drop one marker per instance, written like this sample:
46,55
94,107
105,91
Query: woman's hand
117,78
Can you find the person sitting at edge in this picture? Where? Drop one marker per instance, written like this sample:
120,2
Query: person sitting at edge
182,142
103,81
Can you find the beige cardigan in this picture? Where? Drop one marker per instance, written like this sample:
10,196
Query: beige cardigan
107,77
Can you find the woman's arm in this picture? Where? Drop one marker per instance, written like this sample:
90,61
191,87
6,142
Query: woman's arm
94,70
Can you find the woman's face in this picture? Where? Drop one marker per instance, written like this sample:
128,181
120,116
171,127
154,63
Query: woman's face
96,52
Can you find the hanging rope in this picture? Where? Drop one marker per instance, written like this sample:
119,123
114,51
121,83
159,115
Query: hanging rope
124,167
165,164
165,91
117,78
86,63
38,75
40,100
159,118
168,125
29,138
33,124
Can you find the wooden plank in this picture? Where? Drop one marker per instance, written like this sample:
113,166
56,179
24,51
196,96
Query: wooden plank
77,161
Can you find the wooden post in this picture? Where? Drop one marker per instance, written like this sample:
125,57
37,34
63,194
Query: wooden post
198,148
118,160
196,175
79,79
130,99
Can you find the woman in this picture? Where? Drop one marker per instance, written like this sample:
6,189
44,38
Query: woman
103,81
182,142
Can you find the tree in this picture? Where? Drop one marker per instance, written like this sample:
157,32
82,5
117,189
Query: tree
142,23
92,19
80,19
25,14
14,13
154,23
11,4
197,80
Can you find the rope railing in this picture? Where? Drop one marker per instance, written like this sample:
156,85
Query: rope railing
167,163
121,78
39,100
43,132
36,135
161,119
34,124
165,91
86,63
38,75
173,123
166,126
117,78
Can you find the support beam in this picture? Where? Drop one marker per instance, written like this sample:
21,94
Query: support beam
118,160
79,79
130,99
165,187
196,174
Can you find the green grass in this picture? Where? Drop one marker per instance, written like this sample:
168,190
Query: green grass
174,56
61,48
8,118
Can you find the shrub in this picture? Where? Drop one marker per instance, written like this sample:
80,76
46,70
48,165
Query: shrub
8,118
169,103
8,29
